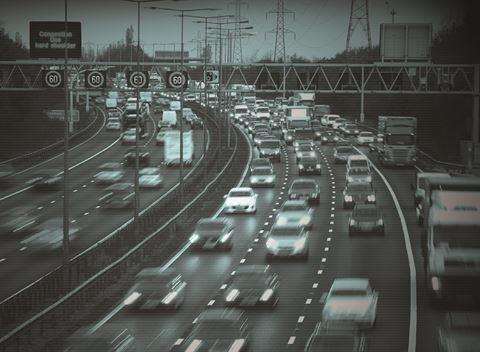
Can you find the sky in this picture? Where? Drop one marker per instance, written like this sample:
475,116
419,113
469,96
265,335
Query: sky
320,26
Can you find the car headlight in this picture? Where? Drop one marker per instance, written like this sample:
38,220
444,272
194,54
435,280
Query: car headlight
318,166
357,131
349,179
271,243
266,295
289,138
300,166
352,222
380,222
318,134
232,295
371,198
324,138
225,237
369,178
132,298
169,297
194,238
300,244
335,138
312,154
293,195
348,198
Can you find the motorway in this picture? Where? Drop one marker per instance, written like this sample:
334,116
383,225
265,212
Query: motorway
94,222
332,254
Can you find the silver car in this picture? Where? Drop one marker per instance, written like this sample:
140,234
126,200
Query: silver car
294,213
49,236
351,300
109,174
262,177
287,242
150,177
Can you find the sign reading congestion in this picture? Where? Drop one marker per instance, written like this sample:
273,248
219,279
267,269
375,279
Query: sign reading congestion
47,39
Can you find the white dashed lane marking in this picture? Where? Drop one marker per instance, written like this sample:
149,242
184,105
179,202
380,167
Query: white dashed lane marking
291,340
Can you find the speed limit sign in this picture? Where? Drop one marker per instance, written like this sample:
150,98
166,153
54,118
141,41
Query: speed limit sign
95,79
138,79
53,78
176,79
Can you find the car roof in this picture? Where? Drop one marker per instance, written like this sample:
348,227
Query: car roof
350,283
302,202
220,314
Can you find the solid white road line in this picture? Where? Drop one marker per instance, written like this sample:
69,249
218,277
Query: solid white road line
412,335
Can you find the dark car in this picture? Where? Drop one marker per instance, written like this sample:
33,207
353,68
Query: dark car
46,180
260,163
336,337
156,288
308,165
143,157
305,189
341,154
367,219
212,233
358,193
106,340
329,137
215,330
252,285
460,332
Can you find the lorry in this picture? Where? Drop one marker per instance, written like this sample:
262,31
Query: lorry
172,148
298,118
399,139
305,98
169,119
451,246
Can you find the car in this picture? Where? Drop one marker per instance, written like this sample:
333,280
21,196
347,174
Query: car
212,233
118,196
150,177
317,129
48,236
287,242
262,137
270,148
46,180
329,137
143,157
113,124
128,137
336,337
350,300
104,340
302,142
350,129
262,177
240,200
341,153
459,332
156,288
308,165
251,286
109,173
305,151
19,220
260,163
358,161
303,188
358,193
338,123
295,213
365,138
215,329
367,219
358,175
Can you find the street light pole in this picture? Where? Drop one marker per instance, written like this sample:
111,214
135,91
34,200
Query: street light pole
66,203
137,126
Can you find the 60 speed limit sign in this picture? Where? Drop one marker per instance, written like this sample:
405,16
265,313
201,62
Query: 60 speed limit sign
138,79
95,79
176,79
53,78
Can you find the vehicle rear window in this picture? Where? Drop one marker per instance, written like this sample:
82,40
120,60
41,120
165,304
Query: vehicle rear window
358,163
359,171
240,194
262,171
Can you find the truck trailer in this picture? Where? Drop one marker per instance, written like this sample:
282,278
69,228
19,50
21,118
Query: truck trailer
172,148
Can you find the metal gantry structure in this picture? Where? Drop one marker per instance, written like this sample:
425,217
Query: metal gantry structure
359,15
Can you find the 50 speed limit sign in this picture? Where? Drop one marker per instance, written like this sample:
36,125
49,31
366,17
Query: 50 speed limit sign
95,79
138,79
53,78
176,79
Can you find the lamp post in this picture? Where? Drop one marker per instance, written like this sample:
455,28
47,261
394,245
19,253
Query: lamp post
182,16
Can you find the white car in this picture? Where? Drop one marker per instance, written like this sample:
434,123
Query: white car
350,300
365,138
149,177
295,213
109,174
240,200
262,177
113,124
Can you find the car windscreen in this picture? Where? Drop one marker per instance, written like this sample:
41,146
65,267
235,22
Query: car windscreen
358,163
263,110
304,148
366,134
258,163
240,194
308,160
262,171
284,232
241,111
271,144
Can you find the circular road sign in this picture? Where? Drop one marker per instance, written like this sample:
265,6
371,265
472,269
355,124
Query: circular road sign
95,79
53,79
177,79
138,79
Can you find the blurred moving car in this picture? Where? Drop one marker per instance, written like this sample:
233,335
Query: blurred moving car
336,337
260,163
358,193
240,200
156,288
19,220
109,174
212,233
304,188
350,300
143,157
287,242
309,165
215,330
459,332
150,177
113,124
262,177
294,213
118,196
365,138
46,180
341,153
366,218
106,340
252,285
48,236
